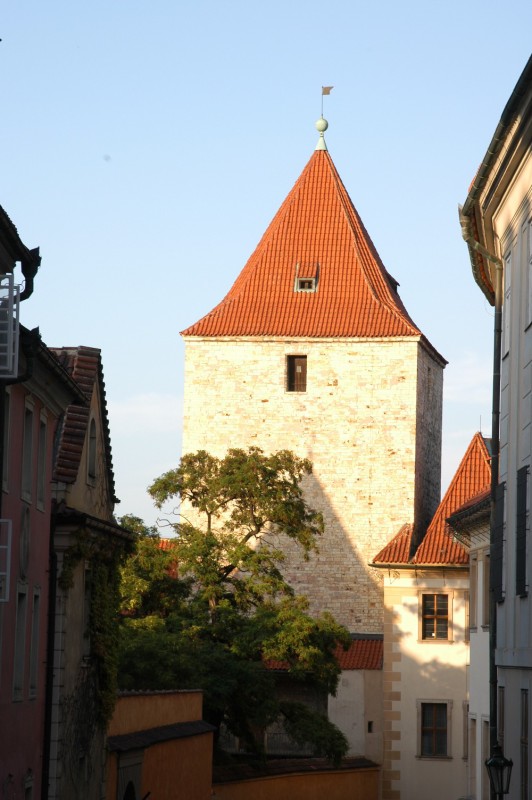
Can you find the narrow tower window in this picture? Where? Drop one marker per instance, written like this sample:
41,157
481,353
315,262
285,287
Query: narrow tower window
296,373
91,466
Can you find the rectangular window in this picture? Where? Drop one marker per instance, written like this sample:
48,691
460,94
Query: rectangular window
296,373
473,592
500,716
521,588
87,600
5,559
524,745
34,651
27,454
434,730
486,590
485,755
472,757
496,553
529,270
435,616
19,659
41,465
506,307
5,443
306,285
465,732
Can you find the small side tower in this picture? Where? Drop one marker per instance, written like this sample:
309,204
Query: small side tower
312,350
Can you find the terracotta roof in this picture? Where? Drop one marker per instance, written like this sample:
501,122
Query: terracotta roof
167,544
85,367
439,545
398,549
364,653
317,233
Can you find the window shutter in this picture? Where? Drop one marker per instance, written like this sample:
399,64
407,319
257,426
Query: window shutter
496,560
520,532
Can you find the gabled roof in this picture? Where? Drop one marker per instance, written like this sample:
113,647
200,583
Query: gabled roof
84,364
317,233
438,546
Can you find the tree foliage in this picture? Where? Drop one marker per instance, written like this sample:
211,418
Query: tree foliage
212,608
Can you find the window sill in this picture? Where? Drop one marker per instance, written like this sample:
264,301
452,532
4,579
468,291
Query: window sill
434,758
436,641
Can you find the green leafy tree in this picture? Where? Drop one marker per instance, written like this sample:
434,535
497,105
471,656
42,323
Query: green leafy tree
212,607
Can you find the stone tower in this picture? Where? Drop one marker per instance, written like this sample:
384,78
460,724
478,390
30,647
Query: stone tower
312,350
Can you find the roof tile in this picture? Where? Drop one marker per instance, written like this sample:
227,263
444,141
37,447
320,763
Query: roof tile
439,546
317,233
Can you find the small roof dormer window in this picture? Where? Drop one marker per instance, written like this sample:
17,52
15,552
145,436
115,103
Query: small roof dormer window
306,277
306,284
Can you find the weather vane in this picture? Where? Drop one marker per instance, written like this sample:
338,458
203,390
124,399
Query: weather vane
325,90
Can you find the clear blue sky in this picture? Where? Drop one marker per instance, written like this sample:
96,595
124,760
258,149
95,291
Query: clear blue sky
146,145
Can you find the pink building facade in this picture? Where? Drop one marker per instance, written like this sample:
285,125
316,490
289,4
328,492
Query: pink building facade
31,410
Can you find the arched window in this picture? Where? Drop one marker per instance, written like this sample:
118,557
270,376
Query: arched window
129,794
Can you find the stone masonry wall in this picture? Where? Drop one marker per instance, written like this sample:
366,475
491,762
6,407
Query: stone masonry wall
357,422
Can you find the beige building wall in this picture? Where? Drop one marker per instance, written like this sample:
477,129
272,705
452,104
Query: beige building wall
370,421
357,711
420,671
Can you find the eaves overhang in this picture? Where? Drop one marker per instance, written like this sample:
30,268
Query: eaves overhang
471,213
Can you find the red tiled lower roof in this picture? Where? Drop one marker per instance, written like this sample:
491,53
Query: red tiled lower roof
439,545
398,549
362,654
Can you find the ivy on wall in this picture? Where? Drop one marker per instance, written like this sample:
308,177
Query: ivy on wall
104,555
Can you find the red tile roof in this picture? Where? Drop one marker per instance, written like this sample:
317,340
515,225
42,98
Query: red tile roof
84,365
362,654
317,228
398,549
439,545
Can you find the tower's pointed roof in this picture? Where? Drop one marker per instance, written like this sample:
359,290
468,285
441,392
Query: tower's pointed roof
318,234
439,546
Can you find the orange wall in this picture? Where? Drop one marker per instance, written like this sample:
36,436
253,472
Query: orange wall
139,712
352,784
179,768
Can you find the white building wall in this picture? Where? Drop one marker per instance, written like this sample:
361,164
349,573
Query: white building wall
478,674
513,229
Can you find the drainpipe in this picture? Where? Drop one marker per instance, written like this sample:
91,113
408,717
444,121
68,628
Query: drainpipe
495,451
495,448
